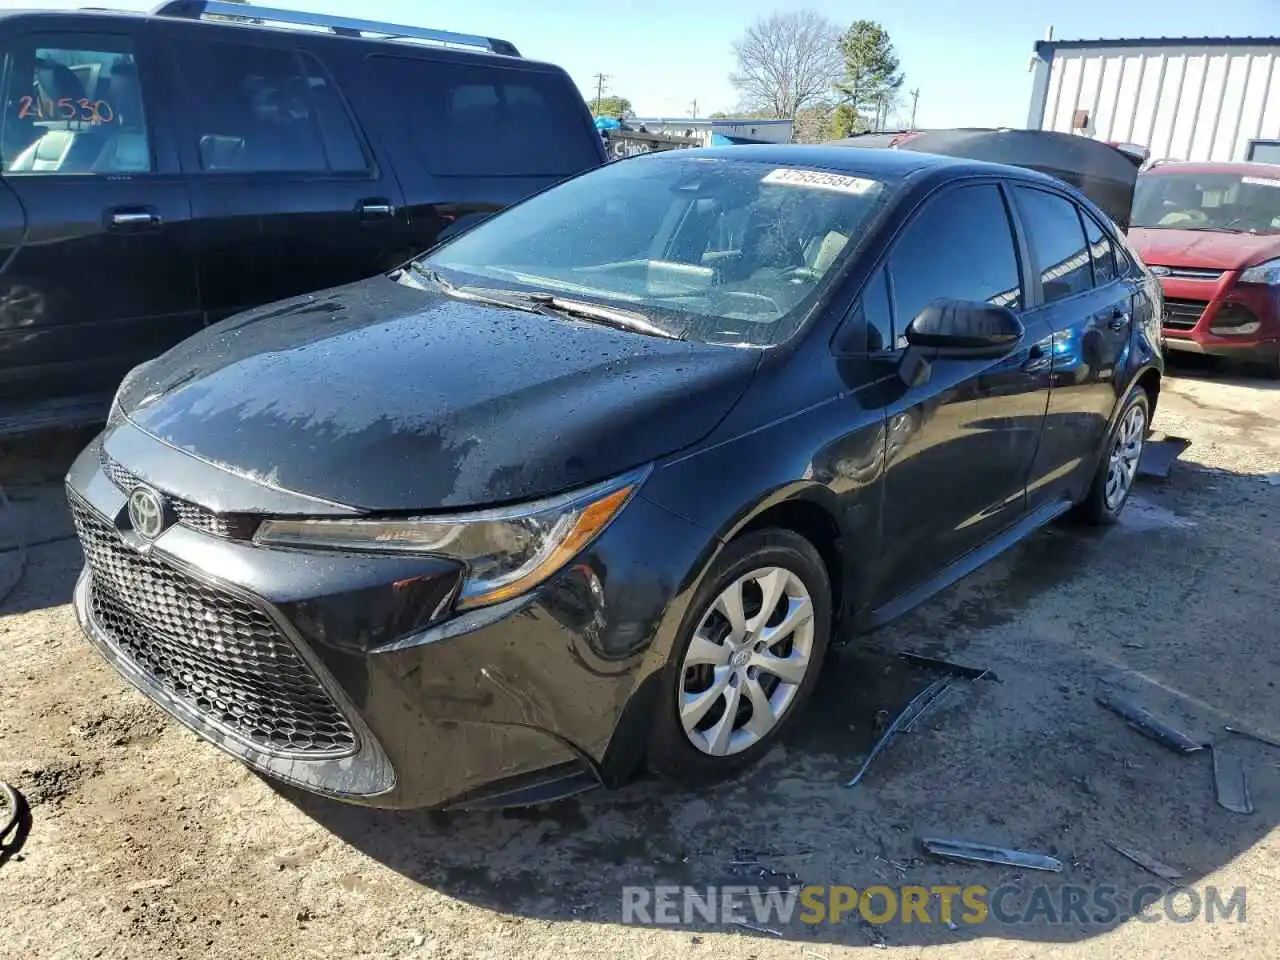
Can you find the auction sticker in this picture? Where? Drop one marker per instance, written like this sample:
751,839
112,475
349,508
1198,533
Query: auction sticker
820,180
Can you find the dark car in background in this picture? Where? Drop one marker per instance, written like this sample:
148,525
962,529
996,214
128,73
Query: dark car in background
1211,233
161,172
595,483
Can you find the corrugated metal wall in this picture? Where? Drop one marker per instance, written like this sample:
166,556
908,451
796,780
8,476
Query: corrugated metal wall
1181,102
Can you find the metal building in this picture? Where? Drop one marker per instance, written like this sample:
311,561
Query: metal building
760,131
1186,98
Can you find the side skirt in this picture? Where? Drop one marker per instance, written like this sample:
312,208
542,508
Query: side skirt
968,563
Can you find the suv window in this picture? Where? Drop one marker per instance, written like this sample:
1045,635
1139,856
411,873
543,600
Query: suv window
960,246
72,105
1100,251
1057,243
260,109
488,121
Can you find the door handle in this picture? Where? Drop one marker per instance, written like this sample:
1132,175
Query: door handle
376,208
132,218
1119,320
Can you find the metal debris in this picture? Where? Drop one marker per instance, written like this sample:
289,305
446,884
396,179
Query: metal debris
1231,782
984,853
752,926
946,666
1146,862
1252,735
1150,725
910,714
1159,455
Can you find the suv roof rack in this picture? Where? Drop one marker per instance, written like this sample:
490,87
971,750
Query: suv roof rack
342,26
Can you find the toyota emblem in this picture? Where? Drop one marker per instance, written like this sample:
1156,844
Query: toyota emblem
146,512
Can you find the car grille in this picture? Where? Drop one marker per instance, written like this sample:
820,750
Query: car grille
1182,314
233,526
1191,273
216,653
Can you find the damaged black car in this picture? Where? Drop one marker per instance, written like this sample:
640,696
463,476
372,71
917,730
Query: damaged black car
594,485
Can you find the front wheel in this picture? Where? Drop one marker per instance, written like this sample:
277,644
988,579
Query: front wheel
1110,489
748,655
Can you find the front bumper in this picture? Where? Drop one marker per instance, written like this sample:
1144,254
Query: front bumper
1195,307
505,701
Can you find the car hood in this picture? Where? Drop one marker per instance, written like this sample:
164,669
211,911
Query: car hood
1168,247
384,397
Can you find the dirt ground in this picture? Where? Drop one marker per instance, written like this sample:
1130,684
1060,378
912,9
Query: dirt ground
145,842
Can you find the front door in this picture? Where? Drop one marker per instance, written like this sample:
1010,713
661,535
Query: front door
960,440
104,276
286,195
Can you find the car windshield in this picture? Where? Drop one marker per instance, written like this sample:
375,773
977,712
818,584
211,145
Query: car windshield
1228,202
713,250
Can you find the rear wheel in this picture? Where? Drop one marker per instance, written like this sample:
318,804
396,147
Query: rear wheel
747,658
1110,489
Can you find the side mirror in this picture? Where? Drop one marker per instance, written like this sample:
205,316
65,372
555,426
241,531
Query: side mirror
962,328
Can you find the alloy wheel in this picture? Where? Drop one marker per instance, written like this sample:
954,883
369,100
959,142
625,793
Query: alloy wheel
746,661
1125,454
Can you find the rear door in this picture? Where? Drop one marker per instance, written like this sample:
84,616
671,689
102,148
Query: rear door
962,439
470,135
285,191
1088,302
104,276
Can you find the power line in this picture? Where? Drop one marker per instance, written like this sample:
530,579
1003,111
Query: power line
601,78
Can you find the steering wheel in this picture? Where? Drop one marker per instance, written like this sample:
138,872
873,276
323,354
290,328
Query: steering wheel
758,298
800,275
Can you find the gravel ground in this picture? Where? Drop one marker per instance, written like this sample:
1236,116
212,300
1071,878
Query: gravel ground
147,843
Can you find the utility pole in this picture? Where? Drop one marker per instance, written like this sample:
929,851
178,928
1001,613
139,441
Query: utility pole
695,108
600,81
915,101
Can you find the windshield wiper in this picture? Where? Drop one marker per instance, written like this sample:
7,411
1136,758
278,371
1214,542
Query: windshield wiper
511,299
609,316
540,302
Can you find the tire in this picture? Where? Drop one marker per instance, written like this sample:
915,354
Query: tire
710,752
1101,505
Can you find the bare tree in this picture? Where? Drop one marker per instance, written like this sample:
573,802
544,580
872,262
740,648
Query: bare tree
787,61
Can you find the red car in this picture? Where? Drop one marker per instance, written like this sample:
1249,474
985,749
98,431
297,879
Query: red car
1211,232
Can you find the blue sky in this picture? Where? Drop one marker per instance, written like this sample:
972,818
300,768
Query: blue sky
968,58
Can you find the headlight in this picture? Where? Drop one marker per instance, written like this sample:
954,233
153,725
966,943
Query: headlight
506,551
1267,273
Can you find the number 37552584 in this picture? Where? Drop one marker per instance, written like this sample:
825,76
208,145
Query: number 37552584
83,110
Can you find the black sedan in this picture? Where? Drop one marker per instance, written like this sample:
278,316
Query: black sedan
594,484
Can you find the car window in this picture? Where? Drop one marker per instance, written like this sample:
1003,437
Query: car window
959,246
1057,243
73,106
1216,201
259,109
1101,251
870,325
718,250
488,121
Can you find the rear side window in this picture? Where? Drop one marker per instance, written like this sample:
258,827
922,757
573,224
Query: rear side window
488,121
959,246
1100,252
258,109
1057,243
72,105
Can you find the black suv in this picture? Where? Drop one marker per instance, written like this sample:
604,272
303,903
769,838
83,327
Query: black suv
163,171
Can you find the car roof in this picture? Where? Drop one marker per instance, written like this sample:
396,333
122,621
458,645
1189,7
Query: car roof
1241,168
105,13
876,164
